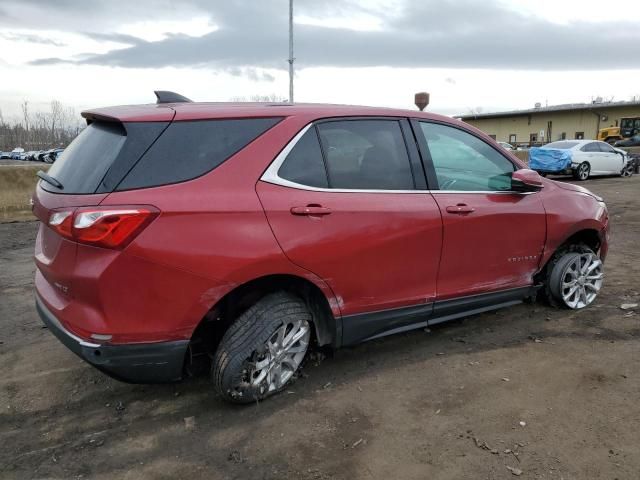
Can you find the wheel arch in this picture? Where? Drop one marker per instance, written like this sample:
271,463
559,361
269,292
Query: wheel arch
318,303
583,162
209,331
587,235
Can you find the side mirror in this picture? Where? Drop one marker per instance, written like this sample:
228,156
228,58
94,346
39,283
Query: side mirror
526,180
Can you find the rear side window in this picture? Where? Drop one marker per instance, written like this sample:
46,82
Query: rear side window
85,161
304,164
189,149
561,145
366,154
591,147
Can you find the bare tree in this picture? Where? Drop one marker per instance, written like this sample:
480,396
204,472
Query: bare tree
40,130
25,114
55,118
270,98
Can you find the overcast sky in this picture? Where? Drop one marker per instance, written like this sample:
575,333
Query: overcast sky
469,54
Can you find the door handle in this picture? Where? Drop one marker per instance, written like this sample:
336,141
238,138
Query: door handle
460,208
311,210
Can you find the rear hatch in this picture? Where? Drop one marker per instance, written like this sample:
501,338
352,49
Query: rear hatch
83,176
122,149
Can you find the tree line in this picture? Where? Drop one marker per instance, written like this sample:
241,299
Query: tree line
54,127
58,125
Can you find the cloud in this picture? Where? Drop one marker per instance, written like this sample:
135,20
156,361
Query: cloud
114,37
31,38
416,33
252,74
48,61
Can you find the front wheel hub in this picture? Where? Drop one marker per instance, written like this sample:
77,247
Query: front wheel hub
582,280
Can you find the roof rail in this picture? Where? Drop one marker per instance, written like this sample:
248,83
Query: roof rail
165,96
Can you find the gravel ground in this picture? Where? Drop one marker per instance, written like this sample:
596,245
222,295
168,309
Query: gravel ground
528,391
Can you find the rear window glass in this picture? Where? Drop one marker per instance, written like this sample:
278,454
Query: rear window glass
304,164
366,154
85,161
189,149
561,145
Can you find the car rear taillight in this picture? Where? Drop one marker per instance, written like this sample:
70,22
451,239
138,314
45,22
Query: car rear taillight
108,227
61,222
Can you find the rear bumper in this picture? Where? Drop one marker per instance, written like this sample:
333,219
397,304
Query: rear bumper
135,363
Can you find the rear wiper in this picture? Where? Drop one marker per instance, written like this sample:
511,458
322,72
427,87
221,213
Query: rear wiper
50,180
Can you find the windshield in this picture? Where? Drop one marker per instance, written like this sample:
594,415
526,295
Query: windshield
561,145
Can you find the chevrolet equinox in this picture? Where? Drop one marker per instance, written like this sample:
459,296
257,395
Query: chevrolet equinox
178,235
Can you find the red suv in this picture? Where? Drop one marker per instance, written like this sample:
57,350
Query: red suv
237,235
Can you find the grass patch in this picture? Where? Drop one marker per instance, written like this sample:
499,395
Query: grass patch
17,184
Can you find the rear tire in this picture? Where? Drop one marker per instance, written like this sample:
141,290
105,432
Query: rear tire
582,172
574,278
263,349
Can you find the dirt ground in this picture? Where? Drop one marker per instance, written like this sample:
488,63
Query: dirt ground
528,390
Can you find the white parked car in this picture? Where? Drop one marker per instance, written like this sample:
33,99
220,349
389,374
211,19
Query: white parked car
580,158
507,146
18,154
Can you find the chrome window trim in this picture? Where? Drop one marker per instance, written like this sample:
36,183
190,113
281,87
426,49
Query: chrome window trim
271,176
485,192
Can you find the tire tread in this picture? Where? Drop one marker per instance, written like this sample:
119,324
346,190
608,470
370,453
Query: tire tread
249,331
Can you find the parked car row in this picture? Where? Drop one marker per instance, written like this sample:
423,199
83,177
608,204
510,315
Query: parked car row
581,159
46,156
16,154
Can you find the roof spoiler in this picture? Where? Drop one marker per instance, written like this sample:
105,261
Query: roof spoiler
164,96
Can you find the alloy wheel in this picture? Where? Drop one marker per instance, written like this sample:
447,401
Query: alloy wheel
583,171
279,358
582,280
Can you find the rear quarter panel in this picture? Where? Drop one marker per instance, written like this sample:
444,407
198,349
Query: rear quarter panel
214,228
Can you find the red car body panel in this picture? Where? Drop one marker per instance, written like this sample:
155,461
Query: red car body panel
373,252
570,214
499,245
359,256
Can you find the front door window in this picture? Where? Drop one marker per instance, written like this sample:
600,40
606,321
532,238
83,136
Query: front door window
464,162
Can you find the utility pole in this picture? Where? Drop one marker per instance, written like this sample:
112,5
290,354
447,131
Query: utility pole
291,59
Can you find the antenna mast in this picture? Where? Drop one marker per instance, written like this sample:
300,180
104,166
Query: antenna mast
291,59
